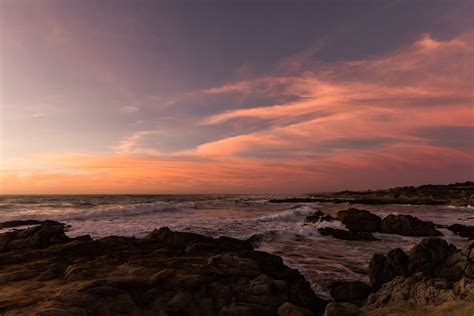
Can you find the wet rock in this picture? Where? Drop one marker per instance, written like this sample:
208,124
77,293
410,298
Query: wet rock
354,292
407,225
383,268
462,230
359,220
318,217
345,234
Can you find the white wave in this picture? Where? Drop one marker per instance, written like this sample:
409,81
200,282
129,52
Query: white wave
292,215
101,212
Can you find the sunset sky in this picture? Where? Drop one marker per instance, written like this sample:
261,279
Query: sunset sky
234,96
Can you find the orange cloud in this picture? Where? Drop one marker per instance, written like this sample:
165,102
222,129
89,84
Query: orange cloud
350,125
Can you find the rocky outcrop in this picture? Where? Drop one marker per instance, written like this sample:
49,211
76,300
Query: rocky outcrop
165,273
434,279
433,257
383,268
346,234
318,217
49,233
420,295
407,225
462,230
359,220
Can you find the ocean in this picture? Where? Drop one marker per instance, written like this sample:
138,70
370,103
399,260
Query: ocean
278,228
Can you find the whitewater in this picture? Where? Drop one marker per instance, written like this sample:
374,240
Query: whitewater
273,227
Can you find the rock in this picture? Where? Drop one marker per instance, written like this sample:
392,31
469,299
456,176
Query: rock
166,273
383,268
462,230
407,225
342,309
419,295
288,309
428,255
354,292
359,220
345,234
27,222
43,236
318,217
459,264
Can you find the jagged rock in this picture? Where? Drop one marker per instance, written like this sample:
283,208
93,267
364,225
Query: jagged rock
428,256
462,230
43,236
165,273
345,234
359,220
383,268
418,295
354,292
407,225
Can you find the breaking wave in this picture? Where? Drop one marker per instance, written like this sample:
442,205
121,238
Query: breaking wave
101,212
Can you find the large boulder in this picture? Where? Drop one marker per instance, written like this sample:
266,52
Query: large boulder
407,225
346,234
383,268
429,255
459,264
359,220
354,292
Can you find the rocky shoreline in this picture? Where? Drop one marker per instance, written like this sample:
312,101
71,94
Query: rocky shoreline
44,272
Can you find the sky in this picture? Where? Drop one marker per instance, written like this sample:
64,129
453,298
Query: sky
234,96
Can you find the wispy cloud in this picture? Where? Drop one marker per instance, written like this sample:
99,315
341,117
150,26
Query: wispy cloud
129,108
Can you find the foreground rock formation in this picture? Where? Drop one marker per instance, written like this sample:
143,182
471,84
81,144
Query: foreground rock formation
44,272
435,278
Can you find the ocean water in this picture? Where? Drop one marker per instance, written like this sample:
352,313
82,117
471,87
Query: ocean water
279,227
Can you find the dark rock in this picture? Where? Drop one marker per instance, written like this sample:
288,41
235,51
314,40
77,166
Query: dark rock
359,220
288,309
43,236
354,292
232,244
345,234
407,225
427,256
342,309
27,222
462,230
166,273
383,268
318,217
